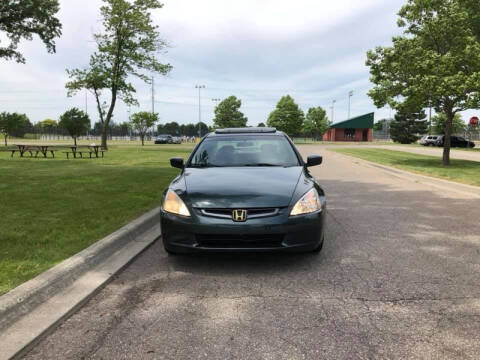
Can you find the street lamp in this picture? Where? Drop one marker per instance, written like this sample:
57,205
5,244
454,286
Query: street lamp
199,87
350,94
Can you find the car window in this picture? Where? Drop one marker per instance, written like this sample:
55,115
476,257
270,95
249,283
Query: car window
244,150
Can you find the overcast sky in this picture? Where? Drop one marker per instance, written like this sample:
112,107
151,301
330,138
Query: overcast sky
257,50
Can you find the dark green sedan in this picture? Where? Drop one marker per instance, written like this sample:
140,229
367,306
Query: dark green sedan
244,190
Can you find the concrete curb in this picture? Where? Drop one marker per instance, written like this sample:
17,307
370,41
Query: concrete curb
30,310
447,185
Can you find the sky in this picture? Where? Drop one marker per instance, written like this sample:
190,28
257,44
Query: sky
257,50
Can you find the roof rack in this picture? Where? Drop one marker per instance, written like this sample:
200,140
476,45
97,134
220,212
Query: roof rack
246,130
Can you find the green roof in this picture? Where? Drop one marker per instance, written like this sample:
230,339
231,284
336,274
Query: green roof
359,122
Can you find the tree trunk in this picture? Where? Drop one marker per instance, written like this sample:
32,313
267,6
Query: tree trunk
6,140
448,133
75,141
108,118
143,139
104,136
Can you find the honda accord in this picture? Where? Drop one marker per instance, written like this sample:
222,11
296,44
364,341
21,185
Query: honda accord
244,190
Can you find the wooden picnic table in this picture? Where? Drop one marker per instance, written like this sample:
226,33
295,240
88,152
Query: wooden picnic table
38,148
44,149
92,149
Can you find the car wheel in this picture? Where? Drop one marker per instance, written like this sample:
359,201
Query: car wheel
319,248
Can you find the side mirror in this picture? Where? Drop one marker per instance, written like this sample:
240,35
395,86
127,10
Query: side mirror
177,162
314,160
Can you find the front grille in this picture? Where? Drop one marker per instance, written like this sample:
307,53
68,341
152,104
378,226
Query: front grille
253,213
228,241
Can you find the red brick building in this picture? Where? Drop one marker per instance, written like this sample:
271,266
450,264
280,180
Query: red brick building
359,128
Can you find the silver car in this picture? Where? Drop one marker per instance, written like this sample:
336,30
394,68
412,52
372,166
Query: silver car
429,140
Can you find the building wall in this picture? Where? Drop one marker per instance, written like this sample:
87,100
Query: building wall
339,135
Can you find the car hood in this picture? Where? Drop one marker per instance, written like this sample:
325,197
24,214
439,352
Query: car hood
241,187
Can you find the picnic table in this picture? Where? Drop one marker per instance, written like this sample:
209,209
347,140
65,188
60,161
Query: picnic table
89,149
43,149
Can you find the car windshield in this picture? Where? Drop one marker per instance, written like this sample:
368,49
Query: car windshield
244,150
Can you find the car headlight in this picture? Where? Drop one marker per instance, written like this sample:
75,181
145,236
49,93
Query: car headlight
174,205
309,203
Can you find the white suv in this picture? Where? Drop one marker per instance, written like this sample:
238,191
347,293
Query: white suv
429,140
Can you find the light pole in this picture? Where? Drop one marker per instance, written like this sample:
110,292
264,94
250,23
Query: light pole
333,110
350,94
199,87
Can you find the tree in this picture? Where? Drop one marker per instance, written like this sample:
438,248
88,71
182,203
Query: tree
228,115
76,122
13,124
435,62
21,19
142,121
407,125
439,122
48,125
287,116
261,124
316,122
171,128
201,128
378,126
126,47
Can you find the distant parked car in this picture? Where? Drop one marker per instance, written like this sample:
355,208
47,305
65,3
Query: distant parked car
428,140
176,140
455,141
164,139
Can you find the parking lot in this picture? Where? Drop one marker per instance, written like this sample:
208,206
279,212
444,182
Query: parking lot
399,277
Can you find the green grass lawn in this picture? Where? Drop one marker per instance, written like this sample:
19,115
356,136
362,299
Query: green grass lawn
51,209
463,171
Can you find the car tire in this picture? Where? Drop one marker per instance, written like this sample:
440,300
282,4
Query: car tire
319,248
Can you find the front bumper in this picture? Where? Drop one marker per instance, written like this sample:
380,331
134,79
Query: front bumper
276,233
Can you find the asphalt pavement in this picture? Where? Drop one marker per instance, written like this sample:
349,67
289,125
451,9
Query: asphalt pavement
398,278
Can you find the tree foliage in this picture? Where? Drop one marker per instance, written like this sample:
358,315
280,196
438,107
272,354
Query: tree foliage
126,47
13,125
228,115
48,124
22,19
142,121
287,116
316,122
378,126
76,122
434,62
439,121
407,125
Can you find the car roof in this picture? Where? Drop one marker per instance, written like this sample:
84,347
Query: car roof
246,131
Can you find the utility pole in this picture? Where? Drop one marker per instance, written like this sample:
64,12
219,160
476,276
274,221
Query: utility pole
86,102
153,95
350,94
333,110
430,120
199,87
